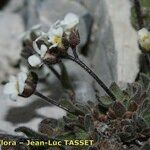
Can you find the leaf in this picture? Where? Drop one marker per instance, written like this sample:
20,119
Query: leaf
126,137
146,146
66,135
71,107
92,148
146,132
139,94
82,107
49,126
144,111
88,123
81,134
69,119
109,145
65,80
144,80
105,101
119,109
91,104
139,122
31,133
117,92
129,129
17,147
132,106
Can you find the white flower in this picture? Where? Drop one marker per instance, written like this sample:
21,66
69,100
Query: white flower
42,51
36,59
56,31
70,21
55,34
16,85
144,39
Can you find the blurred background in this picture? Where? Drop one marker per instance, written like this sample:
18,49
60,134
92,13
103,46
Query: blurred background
108,45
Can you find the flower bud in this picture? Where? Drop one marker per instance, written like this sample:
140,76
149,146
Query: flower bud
30,85
24,84
74,38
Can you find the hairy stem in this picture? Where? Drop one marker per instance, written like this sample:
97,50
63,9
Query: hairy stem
63,82
55,72
138,13
75,53
50,101
87,69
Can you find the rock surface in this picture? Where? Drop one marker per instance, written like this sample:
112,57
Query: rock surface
113,48
82,82
125,39
102,48
14,6
11,27
25,112
112,51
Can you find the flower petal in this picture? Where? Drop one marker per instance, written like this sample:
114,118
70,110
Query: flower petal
21,81
24,69
10,88
35,61
55,32
12,79
43,50
52,46
13,97
36,47
144,39
70,21
143,32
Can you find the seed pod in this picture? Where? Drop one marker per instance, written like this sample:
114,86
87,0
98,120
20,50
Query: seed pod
30,85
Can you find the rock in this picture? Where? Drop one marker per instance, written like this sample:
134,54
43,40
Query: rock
11,27
84,92
125,39
31,16
90,5
101,49
47,12
113,48
25,112
14,6
82,82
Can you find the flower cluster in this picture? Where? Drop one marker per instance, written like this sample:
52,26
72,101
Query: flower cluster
144,39
24,84
40,47
49,46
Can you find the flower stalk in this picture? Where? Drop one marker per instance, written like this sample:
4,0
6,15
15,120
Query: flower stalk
51,101
88,70
75,53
